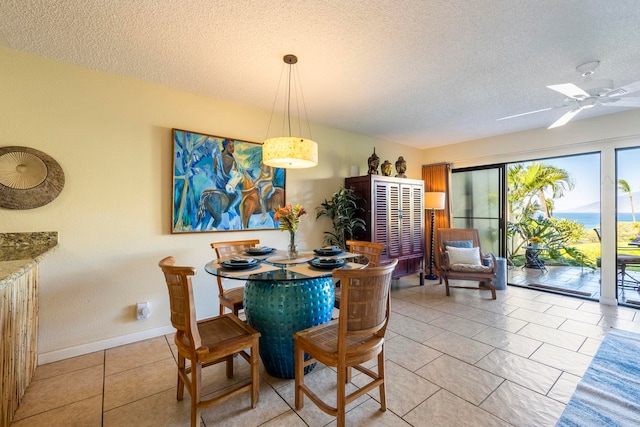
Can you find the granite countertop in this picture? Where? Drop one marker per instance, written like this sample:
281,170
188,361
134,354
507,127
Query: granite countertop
19,252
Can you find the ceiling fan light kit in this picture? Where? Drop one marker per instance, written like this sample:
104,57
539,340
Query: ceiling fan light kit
589,94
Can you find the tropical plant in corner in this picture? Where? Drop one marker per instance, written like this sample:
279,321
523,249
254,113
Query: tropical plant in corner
342,209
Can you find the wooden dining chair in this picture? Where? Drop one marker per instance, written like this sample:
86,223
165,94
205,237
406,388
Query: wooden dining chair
373,252
231,298
206,342
356,337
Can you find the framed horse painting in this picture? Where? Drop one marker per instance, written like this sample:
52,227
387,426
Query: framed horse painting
221,184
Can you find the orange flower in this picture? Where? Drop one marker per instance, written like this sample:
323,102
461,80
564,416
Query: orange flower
289,216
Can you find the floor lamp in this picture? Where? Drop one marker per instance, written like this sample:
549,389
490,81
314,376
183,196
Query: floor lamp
433,201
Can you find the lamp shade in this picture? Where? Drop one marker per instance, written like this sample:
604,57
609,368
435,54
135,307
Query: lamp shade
290,152
434,200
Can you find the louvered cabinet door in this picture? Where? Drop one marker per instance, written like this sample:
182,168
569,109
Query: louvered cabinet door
393,209
394,214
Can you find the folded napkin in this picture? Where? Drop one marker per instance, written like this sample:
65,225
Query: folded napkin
238,260
328,260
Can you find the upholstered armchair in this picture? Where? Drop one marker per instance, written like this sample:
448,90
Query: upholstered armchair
459,257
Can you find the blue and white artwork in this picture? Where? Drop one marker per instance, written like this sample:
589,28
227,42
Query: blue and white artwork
221,184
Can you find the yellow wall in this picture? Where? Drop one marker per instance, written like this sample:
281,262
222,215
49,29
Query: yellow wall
112,137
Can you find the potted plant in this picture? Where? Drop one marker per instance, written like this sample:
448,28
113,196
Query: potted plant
535,242
342,209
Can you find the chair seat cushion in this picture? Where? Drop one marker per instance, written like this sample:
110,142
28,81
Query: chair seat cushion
475,268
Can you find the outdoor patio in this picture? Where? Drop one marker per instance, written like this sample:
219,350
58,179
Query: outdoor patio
575,281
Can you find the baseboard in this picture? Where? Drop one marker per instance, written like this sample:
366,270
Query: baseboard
66,353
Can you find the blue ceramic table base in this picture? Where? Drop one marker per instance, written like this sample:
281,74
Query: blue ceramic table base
279,309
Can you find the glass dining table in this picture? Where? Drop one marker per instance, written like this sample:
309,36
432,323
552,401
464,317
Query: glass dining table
283,296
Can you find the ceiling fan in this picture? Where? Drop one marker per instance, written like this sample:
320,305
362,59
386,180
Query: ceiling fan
590,93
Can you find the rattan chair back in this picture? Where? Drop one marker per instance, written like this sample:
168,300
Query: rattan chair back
231,298
372,250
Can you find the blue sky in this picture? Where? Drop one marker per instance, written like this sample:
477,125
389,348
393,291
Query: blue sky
585,170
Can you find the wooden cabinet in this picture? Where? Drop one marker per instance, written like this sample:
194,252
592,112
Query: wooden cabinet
394,215
18,348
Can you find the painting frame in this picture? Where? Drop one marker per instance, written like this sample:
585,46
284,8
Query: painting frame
220,184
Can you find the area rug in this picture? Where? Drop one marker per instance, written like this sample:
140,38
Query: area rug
609,392
563,290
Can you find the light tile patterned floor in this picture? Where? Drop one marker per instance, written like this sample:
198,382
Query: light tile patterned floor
583,280
451,361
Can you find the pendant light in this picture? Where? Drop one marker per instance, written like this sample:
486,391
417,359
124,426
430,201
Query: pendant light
292,152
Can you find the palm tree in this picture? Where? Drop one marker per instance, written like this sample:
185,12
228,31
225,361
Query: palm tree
526,197
623,185
527,188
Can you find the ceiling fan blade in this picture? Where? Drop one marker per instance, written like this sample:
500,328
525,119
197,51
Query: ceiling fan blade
624,90
632,101
570,90
565,118
524,114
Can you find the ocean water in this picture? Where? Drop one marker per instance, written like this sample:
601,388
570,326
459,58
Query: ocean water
591,220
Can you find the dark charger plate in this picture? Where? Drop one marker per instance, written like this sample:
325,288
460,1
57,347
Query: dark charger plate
258,251
239,264
326,264
328,251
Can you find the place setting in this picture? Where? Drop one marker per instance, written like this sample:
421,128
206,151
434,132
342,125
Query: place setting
238,263
326,263
258,251
241,266
328,251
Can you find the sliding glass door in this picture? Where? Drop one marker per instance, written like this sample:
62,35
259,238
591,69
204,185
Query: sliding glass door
553,224
628,227
478,201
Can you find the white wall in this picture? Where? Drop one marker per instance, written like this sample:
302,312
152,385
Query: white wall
602,134
112,137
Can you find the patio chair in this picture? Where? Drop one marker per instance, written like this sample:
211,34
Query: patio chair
622,260
459,257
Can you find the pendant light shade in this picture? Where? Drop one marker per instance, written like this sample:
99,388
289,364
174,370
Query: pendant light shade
291,152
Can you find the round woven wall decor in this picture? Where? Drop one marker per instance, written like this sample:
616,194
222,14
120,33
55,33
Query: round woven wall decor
28,178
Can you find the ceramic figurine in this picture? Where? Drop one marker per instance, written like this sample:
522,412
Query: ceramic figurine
374,162
386,168
401,167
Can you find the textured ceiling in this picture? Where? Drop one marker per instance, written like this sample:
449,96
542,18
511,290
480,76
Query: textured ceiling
417,72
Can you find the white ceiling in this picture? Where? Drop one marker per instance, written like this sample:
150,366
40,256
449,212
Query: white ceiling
417,72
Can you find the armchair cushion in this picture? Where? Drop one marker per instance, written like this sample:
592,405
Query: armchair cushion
470,256
459,243
472,268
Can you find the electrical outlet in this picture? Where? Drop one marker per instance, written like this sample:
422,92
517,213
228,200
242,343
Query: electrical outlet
143,310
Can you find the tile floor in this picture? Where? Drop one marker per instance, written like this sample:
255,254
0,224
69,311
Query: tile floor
579,279
451,361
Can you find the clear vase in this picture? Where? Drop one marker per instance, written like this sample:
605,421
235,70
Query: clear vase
293,247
